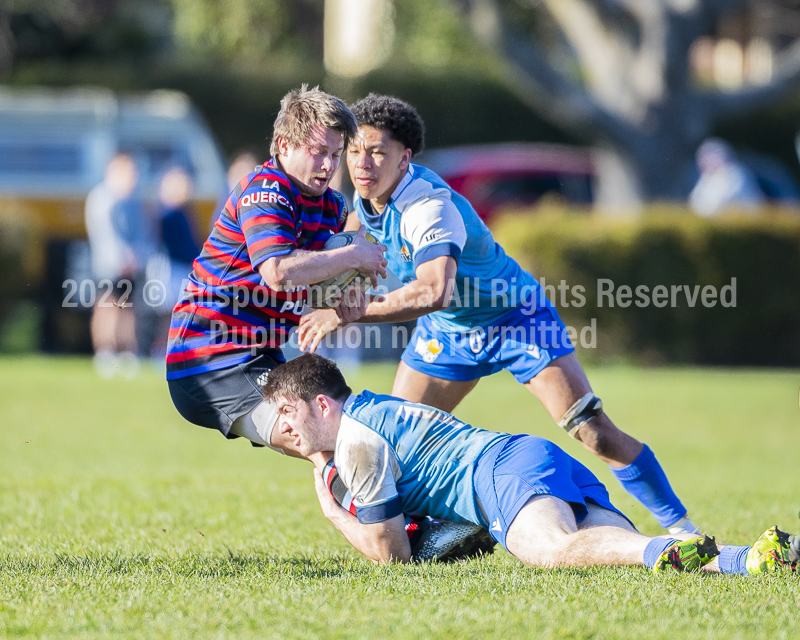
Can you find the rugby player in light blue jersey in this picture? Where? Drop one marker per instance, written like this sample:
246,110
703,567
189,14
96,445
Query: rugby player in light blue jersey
543,506
477,311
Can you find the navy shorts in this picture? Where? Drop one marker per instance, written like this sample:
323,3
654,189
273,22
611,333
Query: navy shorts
517,468
214,399
523,341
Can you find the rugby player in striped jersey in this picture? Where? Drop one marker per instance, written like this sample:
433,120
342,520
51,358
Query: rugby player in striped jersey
247,287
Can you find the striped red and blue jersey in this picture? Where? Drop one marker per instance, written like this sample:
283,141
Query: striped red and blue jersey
227,315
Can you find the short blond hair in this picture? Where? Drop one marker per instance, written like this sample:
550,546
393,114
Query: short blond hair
304,108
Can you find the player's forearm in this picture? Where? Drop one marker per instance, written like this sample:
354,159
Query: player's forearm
410,302
353,223
373,541
300,268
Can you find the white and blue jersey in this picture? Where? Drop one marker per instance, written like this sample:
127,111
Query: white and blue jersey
425,219
397,457
498,317
401,457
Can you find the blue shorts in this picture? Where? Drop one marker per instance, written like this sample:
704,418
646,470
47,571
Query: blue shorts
523,341
519,467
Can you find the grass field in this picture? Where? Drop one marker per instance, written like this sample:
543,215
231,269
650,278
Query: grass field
118,519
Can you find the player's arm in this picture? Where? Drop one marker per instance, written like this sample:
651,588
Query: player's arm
381,542
266,213
431,291
298,268
369,468
436,233
352,223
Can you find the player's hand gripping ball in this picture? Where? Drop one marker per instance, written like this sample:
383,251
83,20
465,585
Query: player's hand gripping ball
328,293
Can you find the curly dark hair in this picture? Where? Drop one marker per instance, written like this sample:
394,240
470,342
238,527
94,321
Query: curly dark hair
399,118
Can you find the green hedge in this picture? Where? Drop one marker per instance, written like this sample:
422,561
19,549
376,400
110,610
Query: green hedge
759,256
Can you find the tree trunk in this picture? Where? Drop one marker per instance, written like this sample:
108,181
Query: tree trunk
617,181
634,98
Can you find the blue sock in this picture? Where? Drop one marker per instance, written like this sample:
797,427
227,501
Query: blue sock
646,481
732,559
655,548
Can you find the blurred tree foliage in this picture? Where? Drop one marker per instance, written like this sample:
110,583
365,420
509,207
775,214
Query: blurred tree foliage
230,28
431,36
235,58
235,31
50,31
246,31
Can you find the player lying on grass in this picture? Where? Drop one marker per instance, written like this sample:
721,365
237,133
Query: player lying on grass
452,271
543,506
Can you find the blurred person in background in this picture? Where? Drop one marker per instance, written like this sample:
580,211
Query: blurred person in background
177,234
115,227
178,249
724,182
244,161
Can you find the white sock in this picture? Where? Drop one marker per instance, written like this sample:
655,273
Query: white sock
105,364
128,364
684,525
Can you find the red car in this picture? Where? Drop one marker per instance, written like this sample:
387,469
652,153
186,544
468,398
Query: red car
498,175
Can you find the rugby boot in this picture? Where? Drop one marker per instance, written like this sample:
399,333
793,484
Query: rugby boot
774,551
690,555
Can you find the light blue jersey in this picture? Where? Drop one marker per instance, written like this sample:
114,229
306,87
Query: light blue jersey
397,457
425,219
401,457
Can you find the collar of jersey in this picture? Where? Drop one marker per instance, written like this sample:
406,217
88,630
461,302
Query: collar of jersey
345,408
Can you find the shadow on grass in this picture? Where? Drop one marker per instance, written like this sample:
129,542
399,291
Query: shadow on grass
233,565
230,565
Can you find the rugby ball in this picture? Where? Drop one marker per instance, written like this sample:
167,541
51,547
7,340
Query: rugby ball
323,295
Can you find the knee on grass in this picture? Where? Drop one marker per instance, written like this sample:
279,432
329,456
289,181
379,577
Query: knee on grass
542,531
543,556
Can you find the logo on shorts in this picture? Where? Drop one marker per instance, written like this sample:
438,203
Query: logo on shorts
404,254
477,338
262,379
496,525
533,351
429,349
